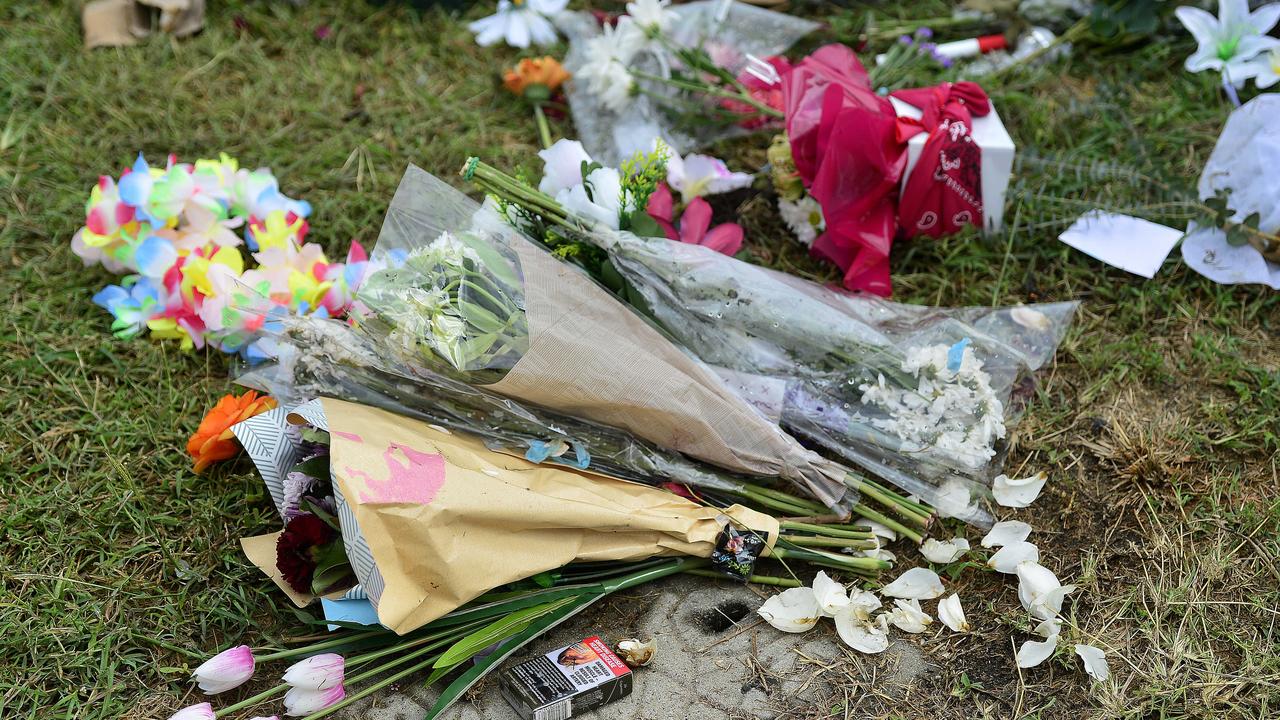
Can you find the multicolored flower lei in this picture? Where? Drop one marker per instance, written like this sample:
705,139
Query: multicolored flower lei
175,235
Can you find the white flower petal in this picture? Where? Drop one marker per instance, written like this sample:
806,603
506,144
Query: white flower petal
794,610
940,552
1202,25
1048,628
1095,662
562,166
859,634
952,499
830,595
907,616
915,584
1033,652
1005,533
1049,604
1029,318
1039,590
1017,493
877,529
1007,559
951,613
863,603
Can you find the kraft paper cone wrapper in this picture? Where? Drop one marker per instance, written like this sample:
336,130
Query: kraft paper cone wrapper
445,519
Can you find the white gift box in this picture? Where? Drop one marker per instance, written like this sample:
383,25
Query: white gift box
997,159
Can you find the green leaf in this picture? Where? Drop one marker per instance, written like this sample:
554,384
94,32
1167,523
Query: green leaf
497,631
518,640
495,264
506,606
316,467
644,225
479,317
1252,220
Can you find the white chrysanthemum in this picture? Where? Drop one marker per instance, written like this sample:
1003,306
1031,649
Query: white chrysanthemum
608,56
652,15
519,23
803,217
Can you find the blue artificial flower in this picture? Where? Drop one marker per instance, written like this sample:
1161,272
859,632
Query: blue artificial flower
132,305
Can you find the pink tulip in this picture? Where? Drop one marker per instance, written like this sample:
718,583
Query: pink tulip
228,669
318,672
203,711
273,717
299,701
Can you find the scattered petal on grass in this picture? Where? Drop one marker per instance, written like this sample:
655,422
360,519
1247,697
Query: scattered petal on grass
951,613
1032,652
1039,590
831,595
915,584
1095,662
794,611
1006,533
859,634
943,552
863,603
907,616
1017,493
1007,558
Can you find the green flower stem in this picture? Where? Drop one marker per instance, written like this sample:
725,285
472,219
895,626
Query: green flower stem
888,522
712,91
827,541
827,559
650,574
326,645
827,530
755,579
811,507
897,504
544,130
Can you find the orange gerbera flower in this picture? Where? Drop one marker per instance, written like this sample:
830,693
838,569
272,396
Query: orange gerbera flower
530,73
213,441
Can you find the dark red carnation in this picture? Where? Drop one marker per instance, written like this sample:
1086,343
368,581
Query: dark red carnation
298,548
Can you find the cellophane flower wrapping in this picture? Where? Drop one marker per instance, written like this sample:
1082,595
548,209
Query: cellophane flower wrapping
730,32
431,520
316,357
920,396
501,312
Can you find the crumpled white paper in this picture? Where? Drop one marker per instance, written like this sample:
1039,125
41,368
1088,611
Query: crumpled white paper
1129,243
1247,161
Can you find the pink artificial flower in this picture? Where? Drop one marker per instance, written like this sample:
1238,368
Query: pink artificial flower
318,672
695,223
202,711
304,702
228,669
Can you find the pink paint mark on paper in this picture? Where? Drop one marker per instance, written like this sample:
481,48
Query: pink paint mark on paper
348,436
416,480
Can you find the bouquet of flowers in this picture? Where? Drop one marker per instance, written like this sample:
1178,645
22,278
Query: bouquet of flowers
915,395
691,75
174,232
477,301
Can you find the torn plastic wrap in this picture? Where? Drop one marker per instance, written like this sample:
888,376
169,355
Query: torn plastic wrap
919,396
731,32
466,296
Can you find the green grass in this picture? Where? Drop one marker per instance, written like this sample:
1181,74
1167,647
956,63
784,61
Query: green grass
1158,421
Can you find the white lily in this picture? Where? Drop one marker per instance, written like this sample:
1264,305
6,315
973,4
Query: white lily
519,22
1007,559
831,595
907,616
795,610
951,613
1005,533
878,552
943,552
603,202
1033,652
862,634
697,175
1095,662
1229,41
1265,69
915,584
1017,493
1039,590
562,166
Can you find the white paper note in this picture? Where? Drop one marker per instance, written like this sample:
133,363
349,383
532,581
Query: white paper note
1129,243
1207,252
